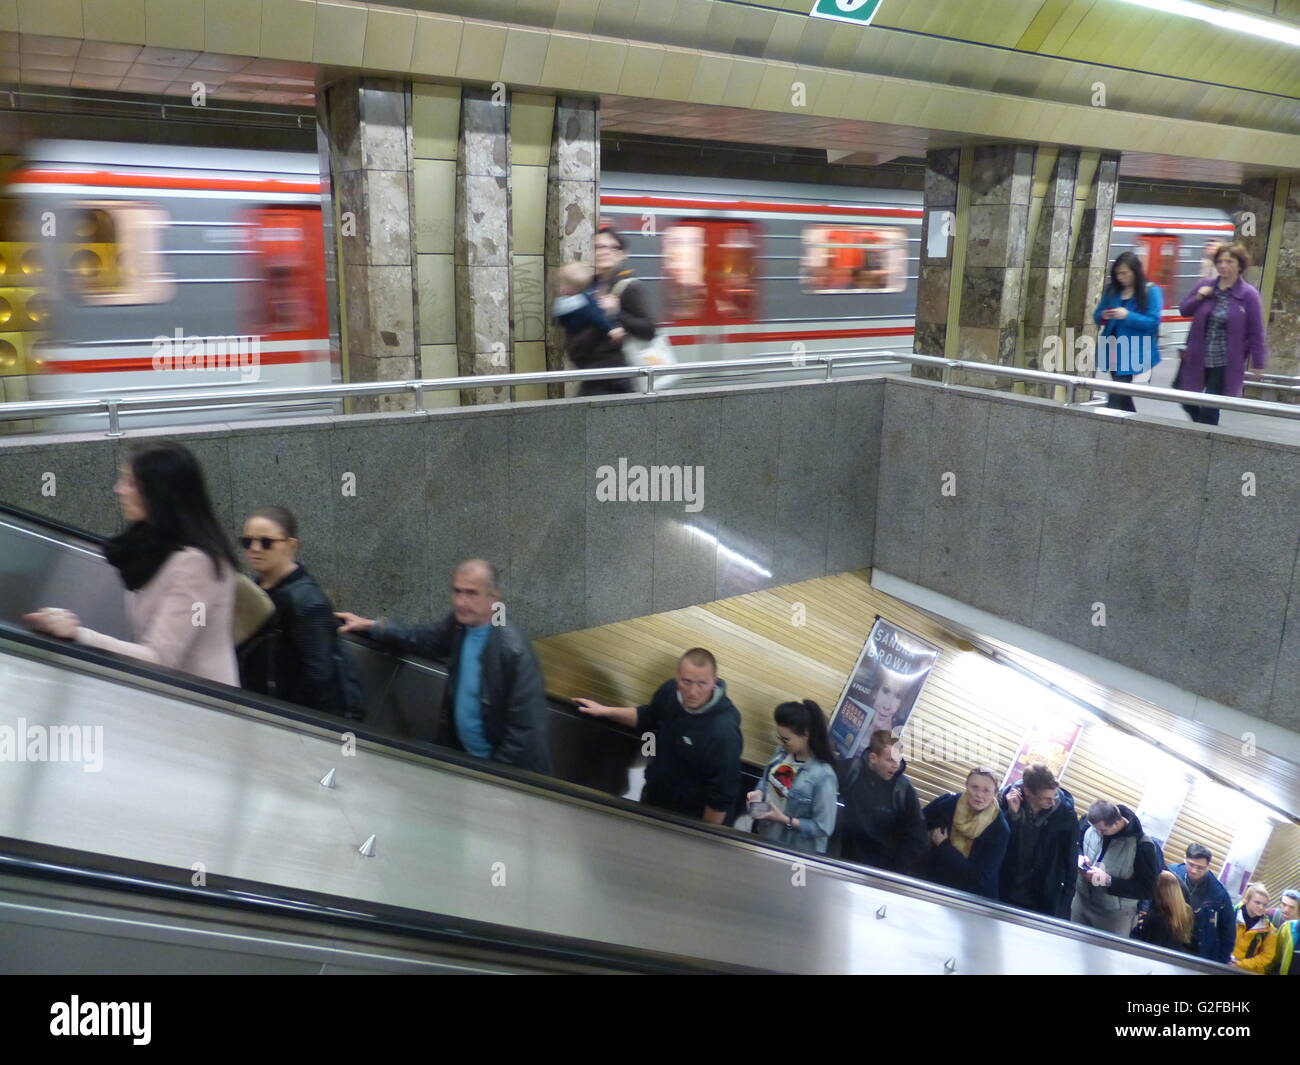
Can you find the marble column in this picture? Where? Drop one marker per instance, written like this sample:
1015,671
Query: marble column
993,279
532,125
367,138
1048,263
1257,218
934,278
1090,262
1284,317
482,255
572,202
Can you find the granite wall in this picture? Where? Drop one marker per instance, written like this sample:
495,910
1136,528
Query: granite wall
388,503
1060,520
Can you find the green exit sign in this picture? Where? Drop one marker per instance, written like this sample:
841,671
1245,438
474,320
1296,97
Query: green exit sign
860,12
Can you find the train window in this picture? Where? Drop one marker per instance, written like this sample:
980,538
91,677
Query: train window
684,271
854,259
111,253
1159,255
709,271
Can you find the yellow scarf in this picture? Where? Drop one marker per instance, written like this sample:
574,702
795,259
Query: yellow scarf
967,824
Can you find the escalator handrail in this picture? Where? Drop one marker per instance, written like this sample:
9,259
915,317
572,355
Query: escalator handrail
561,790
106,872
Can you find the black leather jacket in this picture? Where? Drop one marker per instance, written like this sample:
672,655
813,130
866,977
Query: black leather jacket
512,694
296,656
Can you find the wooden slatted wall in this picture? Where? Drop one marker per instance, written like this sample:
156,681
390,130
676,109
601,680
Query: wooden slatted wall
802,641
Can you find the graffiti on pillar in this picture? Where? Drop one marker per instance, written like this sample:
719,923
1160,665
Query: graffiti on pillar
530,313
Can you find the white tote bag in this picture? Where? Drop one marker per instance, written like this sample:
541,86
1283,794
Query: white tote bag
654,352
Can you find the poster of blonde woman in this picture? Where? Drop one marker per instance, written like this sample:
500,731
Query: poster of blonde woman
882,689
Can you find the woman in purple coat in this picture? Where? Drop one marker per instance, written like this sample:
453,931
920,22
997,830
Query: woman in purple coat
1226,333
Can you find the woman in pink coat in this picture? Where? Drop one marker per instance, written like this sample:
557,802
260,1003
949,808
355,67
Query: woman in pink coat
178,568
1227,333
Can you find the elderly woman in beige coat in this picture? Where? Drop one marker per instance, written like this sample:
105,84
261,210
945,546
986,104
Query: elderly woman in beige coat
179,571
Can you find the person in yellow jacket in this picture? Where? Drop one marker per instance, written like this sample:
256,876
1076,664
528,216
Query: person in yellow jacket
1256,936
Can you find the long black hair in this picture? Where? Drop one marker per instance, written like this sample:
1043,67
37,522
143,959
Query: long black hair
176,501
1134,263
806,719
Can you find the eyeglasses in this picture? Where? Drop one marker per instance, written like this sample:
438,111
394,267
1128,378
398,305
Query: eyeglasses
262,542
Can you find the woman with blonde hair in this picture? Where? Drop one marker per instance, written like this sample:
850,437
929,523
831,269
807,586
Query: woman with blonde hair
1168,923
1256,936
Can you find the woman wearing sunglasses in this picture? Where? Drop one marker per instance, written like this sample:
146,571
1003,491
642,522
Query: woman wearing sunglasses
296,655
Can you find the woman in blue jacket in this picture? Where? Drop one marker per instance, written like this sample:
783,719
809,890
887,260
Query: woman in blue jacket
799,782
1129,316
968,837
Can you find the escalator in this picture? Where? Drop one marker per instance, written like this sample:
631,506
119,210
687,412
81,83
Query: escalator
192,833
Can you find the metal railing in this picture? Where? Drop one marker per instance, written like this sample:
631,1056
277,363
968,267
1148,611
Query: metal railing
1075,386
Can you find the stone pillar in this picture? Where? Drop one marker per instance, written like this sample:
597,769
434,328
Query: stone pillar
532,122
934,278
483,303
435,121
572,201
1090,262
1048,263
992,283
1269,226
367,131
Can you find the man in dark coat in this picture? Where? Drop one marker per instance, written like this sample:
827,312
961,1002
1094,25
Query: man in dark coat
695,770
881,824
1041,865
493,704
1214,919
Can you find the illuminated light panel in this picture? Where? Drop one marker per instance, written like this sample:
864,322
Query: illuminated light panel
1228,20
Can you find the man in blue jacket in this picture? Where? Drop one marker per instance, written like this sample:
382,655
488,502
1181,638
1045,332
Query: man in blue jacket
1214,921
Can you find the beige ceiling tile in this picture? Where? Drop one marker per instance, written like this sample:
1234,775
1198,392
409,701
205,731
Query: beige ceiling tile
94,81
154,73
742,83
115,53
41,45
9,42
710,79
288,28
437,45
566,61
677,74
53,78
60,18
604,68
142,85
481,50
641,70
390,40
859,101
47,62
340,34
813,95
524,57
9,16
171,25
220,64
232,26
101,67
167,57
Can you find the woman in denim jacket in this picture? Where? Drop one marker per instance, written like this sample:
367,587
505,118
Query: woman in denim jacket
798,783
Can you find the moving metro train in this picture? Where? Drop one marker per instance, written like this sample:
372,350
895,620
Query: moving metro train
127,268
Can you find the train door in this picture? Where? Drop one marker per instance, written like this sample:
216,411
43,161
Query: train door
711,278
1159,255
285,307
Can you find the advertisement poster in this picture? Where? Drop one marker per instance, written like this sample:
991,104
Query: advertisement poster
1244,854
1048,743
883,687
1161,804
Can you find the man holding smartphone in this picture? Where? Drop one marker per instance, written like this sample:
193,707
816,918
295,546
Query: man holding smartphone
1117,869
